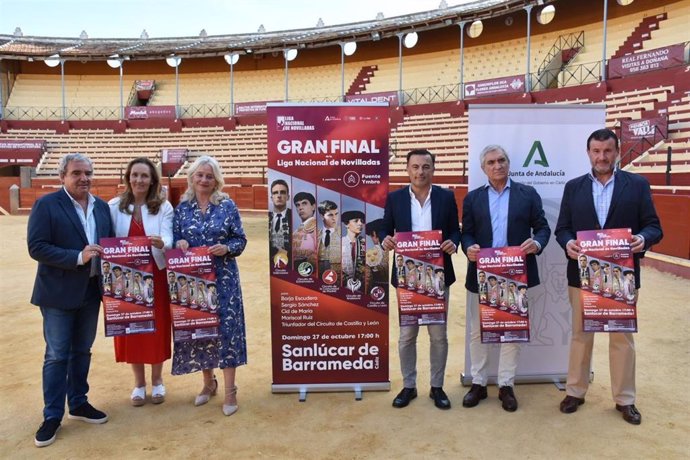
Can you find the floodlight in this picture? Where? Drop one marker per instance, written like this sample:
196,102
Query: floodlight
53,61
410,40
349,48
232,58
290,54
173,61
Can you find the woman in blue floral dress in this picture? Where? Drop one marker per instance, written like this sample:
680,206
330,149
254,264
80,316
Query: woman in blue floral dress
207,217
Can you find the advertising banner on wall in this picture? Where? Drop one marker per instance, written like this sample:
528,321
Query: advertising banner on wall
648,60
421,286
193,294
21,152
386,97
545,144
494,86
503,303
127,268
649,128
146,112
328,181
607,279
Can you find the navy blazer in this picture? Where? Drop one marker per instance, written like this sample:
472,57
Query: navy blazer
525,220
397,217
631,207
55,238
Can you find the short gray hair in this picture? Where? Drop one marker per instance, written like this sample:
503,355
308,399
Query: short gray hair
492,148
217,194
64,161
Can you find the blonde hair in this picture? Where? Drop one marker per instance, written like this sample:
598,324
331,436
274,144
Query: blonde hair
217,196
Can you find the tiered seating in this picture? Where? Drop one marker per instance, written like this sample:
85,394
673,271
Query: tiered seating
678,139
443,135
631,105
242,152
305,83
674,29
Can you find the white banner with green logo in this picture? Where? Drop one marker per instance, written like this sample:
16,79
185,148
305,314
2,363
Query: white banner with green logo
547,147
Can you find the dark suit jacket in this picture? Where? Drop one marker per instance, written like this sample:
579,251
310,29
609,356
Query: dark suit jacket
287,226
631,207
397,217
55,238
525,220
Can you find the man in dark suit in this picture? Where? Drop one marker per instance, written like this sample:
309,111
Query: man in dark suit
500,213
606,197
63,233
422,206
279,221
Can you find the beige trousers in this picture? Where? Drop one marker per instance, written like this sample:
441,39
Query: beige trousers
621,358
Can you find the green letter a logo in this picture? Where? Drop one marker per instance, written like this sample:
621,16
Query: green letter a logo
542,161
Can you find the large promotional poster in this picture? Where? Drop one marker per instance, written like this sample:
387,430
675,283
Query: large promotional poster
607,280
421,286
328,182
546,147
127,268
193,294
503,302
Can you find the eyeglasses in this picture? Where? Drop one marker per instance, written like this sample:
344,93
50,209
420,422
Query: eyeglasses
279,192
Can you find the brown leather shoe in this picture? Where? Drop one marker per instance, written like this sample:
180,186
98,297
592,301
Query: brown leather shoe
630,414
570,403
508,399
476,394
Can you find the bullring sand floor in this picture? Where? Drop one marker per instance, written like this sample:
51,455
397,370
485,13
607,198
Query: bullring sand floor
334,425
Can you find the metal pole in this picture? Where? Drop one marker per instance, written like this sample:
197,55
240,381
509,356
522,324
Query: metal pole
177,90
400,81
232,91
122,107
286,76
2,105
603,53
342,71
462,59
62,85
528,80
668,165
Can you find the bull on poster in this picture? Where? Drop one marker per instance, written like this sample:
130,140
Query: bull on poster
607,280
503,302
127,268
421,286
328,182
193,294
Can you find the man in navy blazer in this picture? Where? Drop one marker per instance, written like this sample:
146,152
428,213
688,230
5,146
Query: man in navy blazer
606,197
422,206
63,233
499,213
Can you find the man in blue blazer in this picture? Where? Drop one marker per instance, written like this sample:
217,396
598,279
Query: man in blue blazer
606,197
63,233
422,206
499,213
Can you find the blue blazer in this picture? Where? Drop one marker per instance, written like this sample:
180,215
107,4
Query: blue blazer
397,217
525,220
55,238
631,207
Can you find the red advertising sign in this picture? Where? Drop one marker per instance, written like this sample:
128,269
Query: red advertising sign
127,268
328,181
172,159
21,152
421,286
144,89
646,61
635,130
494,86
385,97
607,279
503,302
251,108
144,112
193,294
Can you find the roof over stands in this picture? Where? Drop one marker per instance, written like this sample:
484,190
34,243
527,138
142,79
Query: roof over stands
40,48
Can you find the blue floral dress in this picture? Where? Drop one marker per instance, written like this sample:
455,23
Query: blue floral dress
220,224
